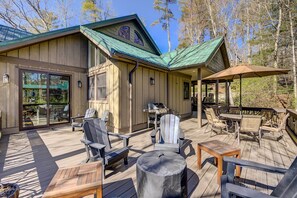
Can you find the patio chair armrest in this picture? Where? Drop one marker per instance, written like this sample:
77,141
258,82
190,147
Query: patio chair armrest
240,191
125,138
86,142
119,135
153,135
77,117
101,153
97,146
254,165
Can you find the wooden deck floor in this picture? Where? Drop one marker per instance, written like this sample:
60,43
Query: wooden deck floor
32,158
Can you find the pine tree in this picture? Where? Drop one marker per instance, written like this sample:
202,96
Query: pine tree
166,15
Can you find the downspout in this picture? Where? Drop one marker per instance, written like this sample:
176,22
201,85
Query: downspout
130,97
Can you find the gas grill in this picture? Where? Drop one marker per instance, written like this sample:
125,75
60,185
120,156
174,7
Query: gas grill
154,113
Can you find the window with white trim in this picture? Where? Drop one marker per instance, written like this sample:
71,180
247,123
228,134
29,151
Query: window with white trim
96,56
101,86
91,86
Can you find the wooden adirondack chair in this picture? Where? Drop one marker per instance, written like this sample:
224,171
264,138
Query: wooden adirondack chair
287,187
170,134
77,121
98,145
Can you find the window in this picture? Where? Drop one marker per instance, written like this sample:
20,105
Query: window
186,90
138,39
96,56
124,32
92,54
101,86
91,94
100,58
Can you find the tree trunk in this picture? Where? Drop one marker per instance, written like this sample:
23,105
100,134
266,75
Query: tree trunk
248,36
213,25
168,27
293,56
277,34
276,58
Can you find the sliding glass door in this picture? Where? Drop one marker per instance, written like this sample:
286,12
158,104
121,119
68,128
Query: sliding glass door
44,99
59,99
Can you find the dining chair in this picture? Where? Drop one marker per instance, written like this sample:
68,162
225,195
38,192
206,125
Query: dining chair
250,125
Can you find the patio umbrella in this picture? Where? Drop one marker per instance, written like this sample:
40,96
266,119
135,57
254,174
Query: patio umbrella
245,71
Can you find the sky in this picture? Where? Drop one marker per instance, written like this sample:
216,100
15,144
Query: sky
145,11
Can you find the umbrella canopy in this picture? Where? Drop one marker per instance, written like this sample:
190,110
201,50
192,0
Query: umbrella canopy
246,71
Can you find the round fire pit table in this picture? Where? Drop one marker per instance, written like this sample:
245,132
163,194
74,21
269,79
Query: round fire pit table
161,174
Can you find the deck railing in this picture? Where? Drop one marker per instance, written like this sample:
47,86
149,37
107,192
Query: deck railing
0,124
291,125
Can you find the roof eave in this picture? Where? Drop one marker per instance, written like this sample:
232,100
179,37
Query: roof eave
115,53
200,65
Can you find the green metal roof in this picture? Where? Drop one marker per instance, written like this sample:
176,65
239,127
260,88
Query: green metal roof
9,33
181,58
192,55
113,45
74,29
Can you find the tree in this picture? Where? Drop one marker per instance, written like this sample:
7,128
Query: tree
65,12
166,15
94,10
30,15
193,22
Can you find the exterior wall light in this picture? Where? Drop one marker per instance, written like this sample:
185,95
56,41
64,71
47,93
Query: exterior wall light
79,84
152,81
5,78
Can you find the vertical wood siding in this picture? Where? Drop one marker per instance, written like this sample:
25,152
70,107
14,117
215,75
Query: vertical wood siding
143,93
70,50
176,99
111,103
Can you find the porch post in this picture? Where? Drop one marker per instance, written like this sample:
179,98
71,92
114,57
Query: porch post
227,93
217,92
199,98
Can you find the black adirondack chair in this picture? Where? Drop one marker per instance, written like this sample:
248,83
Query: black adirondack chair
98,145
170,134
287,187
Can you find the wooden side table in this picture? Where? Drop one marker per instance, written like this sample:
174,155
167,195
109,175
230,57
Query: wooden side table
76,181
218,149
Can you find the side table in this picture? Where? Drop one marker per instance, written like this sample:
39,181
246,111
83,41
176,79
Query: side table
218,149
76,181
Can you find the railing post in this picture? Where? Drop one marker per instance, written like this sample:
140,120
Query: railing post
291,124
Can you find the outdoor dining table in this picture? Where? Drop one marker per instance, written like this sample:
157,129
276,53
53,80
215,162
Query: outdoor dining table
234,118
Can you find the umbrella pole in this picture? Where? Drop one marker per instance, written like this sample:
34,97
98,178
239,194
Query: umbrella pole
240,106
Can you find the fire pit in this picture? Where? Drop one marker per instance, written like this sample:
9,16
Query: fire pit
9,190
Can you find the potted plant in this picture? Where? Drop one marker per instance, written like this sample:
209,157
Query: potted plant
9,190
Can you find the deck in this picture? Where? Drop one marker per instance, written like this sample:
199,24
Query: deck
31,159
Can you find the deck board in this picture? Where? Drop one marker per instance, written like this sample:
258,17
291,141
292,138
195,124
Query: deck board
31,159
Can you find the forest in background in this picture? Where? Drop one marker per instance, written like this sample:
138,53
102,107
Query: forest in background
259,32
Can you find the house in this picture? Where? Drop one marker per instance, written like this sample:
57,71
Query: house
109,65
